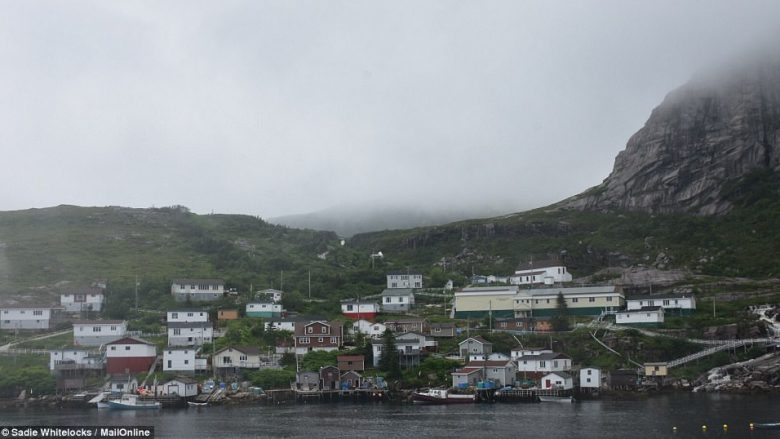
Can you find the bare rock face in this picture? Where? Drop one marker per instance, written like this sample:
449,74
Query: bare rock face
710,131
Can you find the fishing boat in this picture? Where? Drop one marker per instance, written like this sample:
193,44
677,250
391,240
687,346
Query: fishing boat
442,396
99,400
132,402
197,404
550,398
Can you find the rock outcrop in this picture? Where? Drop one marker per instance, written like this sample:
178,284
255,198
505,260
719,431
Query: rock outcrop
711,131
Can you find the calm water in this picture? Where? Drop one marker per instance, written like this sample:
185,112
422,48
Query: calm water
644,418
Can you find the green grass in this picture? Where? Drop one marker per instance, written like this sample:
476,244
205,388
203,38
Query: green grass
60,341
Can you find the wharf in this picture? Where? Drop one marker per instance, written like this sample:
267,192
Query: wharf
527,395
356,395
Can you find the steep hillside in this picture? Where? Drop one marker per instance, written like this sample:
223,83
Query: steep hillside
718,128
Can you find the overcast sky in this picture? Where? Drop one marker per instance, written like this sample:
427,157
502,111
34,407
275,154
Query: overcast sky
272,108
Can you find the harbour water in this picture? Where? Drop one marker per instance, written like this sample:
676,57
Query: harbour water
652,417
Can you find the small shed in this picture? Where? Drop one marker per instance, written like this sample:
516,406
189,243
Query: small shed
330,377
656,369
227,314
590,378
557,380
180,386
351,380
123,384
307,381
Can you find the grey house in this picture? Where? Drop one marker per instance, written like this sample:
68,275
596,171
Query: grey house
397,299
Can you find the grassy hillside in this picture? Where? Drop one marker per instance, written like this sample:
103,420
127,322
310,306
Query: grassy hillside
742,243
69,245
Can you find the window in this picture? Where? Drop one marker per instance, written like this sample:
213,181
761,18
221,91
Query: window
349,307
387,300
127,348
541,363
591,299
548,300
609,299
176,331
320,340
113,348
666,302
590,372
185,362
574,300
304,340
113,328
37,313
309,330
189,314
96,329
174,315
334,340
169,364
324,330
227,360
242,358
587,380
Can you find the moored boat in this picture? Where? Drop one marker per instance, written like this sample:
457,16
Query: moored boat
442,396
132,402
766,425
565,399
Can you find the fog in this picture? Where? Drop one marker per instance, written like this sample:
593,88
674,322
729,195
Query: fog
275,108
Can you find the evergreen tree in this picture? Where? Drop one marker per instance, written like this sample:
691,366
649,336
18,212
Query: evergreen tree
388,361
560,322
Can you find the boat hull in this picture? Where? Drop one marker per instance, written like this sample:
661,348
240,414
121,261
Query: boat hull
141,405
420,398
559,399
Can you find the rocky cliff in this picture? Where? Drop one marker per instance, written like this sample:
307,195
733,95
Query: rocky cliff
707,133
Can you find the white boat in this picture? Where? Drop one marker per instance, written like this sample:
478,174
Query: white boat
566,399
442,396
132,402
99,400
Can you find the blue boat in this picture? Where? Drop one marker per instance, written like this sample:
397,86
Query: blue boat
132,402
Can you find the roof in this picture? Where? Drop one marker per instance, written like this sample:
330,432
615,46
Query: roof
520,348
249,350
185,380
568,291
476,338
506,289
402,273
99,322
489,363
188,310
540,263
466,371
199,281
123,378
442,325
360,302
397,292
563,375
29,306
642,309
270,291
260,302
350,358
532,273
131,340
83,290
662,296
189,324
182,348
545,356
409,320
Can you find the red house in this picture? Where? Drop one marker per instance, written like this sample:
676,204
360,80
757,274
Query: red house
355,309
129,355
318,336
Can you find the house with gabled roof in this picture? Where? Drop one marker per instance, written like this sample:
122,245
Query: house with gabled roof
318,336
236,357
198,290
397,300
130,355
98,332
82,299
474,345
190,333
404,279
26,317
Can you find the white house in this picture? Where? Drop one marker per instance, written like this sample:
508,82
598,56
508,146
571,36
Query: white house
264,309
404,279
544,363
183,359
98,332
502,372
466,377
198,290
187,316
545,272
590,378
190,333
645,316
473,346
87,299
410,345
243,357
682,304
179,386
557,380
520,351
397,299
77,357
370,329
271,295
356,309
20,317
